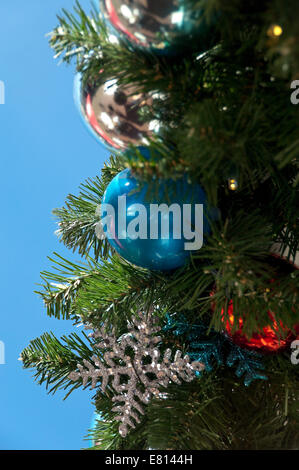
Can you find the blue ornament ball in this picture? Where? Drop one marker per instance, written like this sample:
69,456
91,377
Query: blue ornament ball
165,26
155,228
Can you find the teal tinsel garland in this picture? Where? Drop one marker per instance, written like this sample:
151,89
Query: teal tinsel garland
216,348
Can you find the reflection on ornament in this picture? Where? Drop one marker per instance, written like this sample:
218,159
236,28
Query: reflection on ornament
268,340
112,113
154,24
113,39
272,338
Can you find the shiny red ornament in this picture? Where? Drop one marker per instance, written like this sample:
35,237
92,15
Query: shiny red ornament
272,338
268,340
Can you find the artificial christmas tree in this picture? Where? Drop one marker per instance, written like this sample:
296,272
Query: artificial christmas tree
226,122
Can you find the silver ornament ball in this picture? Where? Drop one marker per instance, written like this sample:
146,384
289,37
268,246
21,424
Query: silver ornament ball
155,24
113,113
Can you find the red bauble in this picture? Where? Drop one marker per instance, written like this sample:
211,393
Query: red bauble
267,341
270,338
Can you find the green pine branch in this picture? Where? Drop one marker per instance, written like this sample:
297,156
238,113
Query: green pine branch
223,113
61,286
79,218
53,360
234,264
215,412
77,34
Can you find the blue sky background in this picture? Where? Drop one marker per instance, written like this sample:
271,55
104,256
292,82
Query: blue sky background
46,153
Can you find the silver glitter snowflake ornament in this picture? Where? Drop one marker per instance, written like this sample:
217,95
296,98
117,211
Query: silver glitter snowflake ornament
137,367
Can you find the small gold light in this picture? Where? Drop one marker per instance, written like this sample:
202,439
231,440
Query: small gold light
275,31
232,184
